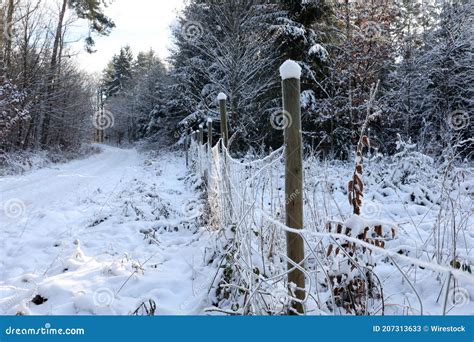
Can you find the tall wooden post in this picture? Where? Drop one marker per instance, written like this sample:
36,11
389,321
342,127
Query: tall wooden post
209,150
209,134
201,134
222,98
291,72
198,140
227,190
186,147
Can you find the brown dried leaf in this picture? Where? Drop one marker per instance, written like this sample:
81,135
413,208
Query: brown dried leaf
358,183
366,141
329,250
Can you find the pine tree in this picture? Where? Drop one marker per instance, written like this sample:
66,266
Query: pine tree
11,113
448,61
92,11
118,75
136,94
405,99
304,32
429,100
227,47
362,51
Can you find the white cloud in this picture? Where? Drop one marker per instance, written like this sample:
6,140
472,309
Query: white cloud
143,24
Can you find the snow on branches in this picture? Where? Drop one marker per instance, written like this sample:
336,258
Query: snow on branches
11,112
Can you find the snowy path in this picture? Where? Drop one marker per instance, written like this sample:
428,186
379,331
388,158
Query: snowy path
101,236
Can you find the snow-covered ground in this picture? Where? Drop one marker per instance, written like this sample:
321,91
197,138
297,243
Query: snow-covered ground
20,162
101,236
422,208
123,230
430,206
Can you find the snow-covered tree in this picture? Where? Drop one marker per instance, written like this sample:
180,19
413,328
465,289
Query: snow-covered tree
227,47
54,93
430,96
447,61
361,52
11,113
118,74
135,94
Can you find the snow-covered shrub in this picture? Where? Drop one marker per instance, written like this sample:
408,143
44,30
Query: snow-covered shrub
11,112
409,164
23,161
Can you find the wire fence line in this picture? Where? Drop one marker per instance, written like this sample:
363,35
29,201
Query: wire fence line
276,260
247,203
235,188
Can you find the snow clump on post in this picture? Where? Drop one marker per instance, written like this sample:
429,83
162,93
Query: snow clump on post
221,97
290,69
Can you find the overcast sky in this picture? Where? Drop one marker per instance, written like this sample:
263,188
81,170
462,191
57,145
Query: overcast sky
143,24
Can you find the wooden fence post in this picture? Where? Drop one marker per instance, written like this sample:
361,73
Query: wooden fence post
222,98
290,73
209,134
198,140
186,147
209,150
201,134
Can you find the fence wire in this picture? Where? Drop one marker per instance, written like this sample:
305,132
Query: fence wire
247,204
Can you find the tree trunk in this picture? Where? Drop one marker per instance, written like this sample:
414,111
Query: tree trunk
349,38
9,33
52,74
2,43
